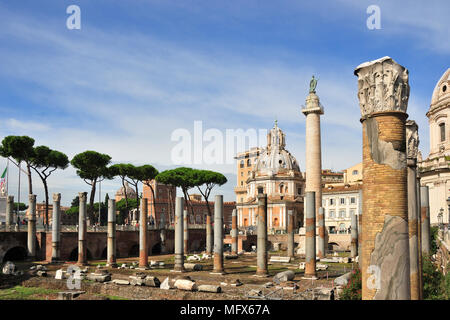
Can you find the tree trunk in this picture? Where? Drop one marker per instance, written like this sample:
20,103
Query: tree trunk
91,201
126,198
46,203
30,183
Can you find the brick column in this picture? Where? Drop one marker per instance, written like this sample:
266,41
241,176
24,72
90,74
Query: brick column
186,232
313,150
179,256
218,235
234,233
82,232
261,246
290,235
425,220
56,228
143,235
9,213
310,235
209,236
32,226
111,245
412,144
383,92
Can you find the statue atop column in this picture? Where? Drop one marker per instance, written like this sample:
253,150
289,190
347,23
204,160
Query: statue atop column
313,85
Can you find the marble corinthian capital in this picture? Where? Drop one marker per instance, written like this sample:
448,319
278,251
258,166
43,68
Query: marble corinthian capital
382,86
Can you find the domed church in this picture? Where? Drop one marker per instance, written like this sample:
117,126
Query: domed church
435,169
277,173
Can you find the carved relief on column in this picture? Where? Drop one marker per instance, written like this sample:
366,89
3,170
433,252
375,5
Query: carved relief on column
412,141
382,86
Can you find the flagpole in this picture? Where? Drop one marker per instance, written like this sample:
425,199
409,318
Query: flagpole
99,200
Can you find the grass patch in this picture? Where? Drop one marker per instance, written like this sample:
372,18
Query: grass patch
25,293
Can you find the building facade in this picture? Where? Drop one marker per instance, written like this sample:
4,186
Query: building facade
340,203
276,173
435,169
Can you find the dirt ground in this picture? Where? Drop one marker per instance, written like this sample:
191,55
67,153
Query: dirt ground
29,286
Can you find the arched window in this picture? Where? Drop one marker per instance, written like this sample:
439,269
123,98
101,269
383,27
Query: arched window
241,164
442,131
249,162
281,188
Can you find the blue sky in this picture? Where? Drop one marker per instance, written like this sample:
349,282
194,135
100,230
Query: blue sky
138,70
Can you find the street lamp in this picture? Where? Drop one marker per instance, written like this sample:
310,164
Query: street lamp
448,212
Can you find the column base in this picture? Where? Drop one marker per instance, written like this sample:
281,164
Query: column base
261,275
55,261
177,271
143,268
310,277
111,265
221,273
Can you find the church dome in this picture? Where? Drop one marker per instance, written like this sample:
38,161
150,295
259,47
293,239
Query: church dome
130,191
442,89
275,157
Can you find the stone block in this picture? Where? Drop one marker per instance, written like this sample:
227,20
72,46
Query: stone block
152,281
284,276
121,282
193,267
59,274
187,285
209,288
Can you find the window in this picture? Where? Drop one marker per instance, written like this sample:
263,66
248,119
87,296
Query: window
355,172
242,173
299,190
242,183
281,188
342,200
242,199
342,214
442,130
331,202
248,173
241,164
352,213
331,214
249,163
352,200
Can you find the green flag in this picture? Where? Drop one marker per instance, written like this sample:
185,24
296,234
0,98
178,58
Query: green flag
4,173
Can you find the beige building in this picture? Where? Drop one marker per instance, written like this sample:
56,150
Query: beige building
435,169
245,164
276,172
353,174
340,203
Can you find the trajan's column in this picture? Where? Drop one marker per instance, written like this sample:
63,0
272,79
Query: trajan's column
313,110
383,93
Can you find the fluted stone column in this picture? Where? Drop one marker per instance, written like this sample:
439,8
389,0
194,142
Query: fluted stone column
383,93
56,228
425,220
162,226
218,235
412,144
143,235
359,222
261,246
313,110
9,213
234,233
32,226
111,245
209,236
186,232
310,235
354,240
82,231
290,235
179,256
